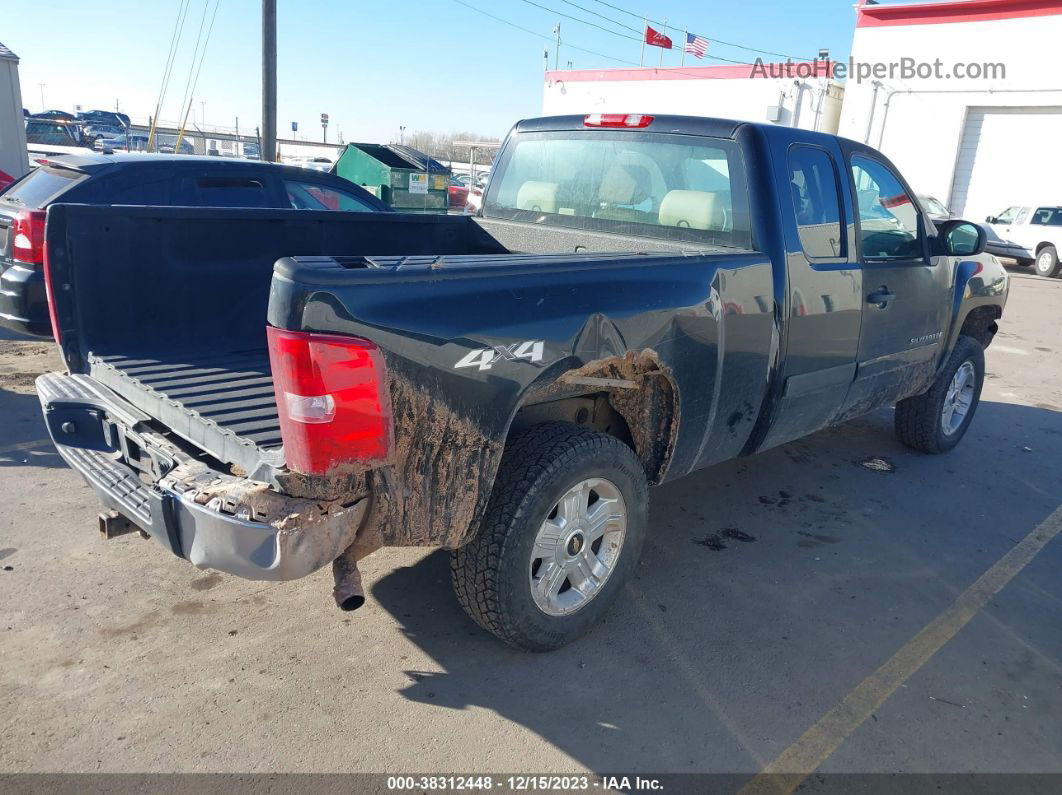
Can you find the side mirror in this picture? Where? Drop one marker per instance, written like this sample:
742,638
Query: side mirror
991,220
961,238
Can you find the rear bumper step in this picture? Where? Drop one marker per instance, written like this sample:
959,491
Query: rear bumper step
212,519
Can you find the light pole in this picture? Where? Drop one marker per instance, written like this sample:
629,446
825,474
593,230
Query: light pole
401,134
41,87
268,151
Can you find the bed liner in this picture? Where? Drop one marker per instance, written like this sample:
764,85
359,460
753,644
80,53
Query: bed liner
223,403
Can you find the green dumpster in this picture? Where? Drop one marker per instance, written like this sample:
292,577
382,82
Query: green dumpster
401,176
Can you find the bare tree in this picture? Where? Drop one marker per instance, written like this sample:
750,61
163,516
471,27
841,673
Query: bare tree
441,145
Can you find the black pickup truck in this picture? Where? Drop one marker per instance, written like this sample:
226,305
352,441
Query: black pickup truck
266,391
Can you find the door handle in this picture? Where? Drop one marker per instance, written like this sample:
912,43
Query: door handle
881,297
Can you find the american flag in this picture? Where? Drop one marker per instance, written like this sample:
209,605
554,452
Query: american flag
698,45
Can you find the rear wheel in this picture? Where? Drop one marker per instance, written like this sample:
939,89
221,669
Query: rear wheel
936,420
561,534
1047,262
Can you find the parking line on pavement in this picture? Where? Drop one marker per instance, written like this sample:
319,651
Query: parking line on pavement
1008,349
789,769
34,445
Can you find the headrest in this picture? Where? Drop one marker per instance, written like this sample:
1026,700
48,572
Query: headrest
867,199
540,197
626,184
693,209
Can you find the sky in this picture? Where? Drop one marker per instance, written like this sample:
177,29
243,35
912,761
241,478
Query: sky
437,65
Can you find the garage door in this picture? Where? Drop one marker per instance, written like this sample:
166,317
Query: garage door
1007,156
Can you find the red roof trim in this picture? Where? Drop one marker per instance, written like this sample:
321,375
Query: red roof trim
957,11
794,69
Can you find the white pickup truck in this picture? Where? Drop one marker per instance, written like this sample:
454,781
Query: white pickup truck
1032,235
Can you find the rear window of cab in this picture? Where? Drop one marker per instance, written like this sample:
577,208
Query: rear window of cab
674,187
41,186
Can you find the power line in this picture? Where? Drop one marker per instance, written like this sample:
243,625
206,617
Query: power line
538,35
198,69
175,40
615,33
195,55
711,38
602,16
549,39
582,21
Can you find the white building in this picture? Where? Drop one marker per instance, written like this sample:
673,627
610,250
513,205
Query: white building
794,95
978,122
13,159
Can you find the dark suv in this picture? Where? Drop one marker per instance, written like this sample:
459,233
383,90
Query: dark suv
142,179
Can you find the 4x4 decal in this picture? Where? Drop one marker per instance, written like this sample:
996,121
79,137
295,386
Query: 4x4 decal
484,358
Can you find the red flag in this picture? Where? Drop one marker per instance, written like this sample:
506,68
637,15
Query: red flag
656,38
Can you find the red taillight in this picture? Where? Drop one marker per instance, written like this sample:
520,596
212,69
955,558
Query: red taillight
27,242
57,332
617,120
332,400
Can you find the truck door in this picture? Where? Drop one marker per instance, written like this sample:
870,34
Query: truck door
906,292
1020,235
824,290
998,230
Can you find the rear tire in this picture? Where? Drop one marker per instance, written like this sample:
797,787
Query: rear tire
546,564
1047,262
936,420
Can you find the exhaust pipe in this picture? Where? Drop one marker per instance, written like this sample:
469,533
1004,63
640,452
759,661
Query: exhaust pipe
113,524
349,593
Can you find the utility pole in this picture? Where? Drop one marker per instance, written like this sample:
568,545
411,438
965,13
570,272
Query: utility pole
401,135
545,59
556,53
682,52
268,152
645,32
664,31
41,87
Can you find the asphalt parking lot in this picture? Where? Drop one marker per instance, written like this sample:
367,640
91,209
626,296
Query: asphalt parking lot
770,590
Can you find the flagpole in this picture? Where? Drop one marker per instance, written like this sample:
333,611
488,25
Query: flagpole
645,32
685,38
664,31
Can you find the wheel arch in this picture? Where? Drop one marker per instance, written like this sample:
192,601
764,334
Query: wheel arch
632,397
980,323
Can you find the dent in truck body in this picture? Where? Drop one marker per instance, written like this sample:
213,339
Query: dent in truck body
451,424
309,533
211,518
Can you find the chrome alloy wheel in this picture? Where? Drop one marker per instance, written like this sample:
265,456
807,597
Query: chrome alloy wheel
959,398
577,547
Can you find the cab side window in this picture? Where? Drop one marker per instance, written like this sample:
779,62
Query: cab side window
1047,216
888,215
314,196
816,202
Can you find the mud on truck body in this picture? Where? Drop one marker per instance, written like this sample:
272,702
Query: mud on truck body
265,392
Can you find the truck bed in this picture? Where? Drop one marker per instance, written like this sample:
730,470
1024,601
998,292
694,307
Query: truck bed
223,403
167,306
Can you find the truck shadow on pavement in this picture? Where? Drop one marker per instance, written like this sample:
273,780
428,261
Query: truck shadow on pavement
769,586
24,438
